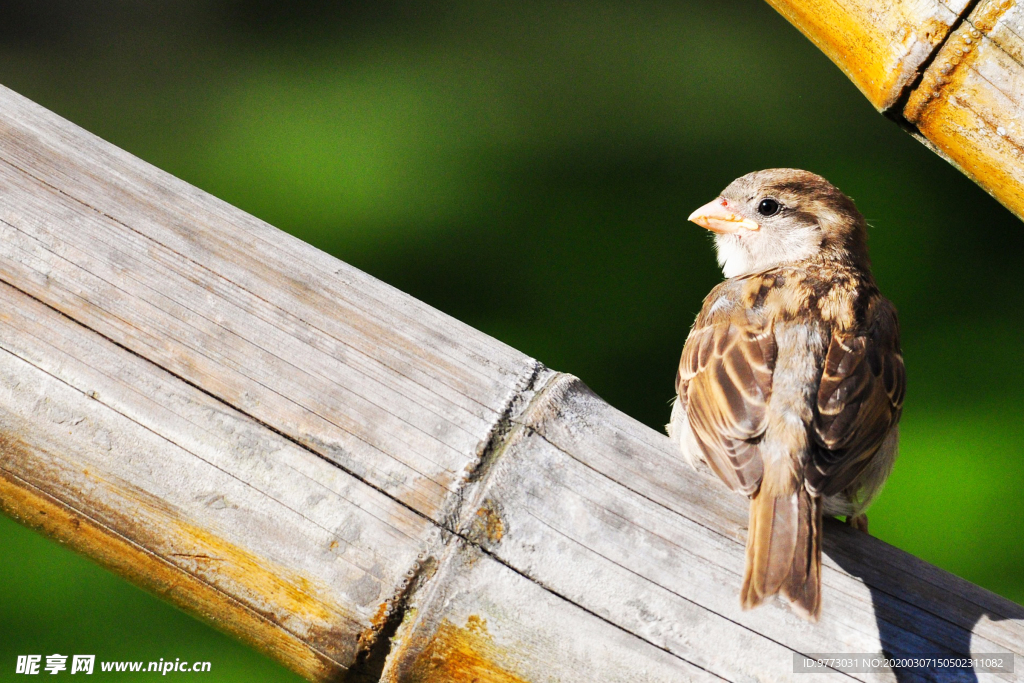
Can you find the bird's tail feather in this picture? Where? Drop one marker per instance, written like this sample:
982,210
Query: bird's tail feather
784,551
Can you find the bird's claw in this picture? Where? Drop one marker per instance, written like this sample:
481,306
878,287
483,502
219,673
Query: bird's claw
858,522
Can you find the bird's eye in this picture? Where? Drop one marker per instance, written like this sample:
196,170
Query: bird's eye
768,207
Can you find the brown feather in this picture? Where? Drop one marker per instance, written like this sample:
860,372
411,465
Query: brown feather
784,551
791,382
725,380
860,399
803,586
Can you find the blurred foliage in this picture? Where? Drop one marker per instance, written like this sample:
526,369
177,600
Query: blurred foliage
527,167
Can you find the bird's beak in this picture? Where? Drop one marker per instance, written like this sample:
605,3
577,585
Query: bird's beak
716,217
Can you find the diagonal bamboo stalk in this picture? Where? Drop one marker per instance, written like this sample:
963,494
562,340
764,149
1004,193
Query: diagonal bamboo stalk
362,486
950,72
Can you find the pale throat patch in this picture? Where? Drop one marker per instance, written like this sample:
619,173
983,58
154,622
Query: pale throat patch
761,252
732,256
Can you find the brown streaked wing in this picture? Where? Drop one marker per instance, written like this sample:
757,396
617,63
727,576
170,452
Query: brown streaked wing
724,380
860,399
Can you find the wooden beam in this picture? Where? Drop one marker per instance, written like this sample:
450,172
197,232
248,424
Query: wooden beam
950,71
970,103
880,46
360,485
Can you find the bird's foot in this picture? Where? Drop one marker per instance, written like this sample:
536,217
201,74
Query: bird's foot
858,522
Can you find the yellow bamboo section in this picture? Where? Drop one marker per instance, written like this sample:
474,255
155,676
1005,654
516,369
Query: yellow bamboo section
878,44
953,71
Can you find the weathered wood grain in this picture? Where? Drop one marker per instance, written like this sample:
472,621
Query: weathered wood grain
393,391
189,498
235,365
952,73
353,482
600,510
481,621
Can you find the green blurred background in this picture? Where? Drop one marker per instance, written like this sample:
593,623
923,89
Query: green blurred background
527,167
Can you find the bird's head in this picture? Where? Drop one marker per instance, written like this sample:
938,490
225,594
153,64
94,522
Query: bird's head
783,216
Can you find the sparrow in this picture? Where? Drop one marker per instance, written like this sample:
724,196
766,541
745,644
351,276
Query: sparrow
791,381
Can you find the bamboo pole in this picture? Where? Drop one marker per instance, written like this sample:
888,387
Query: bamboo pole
360,485
949,71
